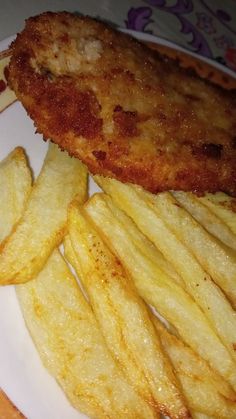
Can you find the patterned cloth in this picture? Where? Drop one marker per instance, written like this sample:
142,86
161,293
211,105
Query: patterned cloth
207,27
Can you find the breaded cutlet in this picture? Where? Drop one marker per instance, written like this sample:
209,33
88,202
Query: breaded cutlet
122,109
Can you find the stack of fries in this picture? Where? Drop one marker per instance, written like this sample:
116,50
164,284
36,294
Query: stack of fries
150,329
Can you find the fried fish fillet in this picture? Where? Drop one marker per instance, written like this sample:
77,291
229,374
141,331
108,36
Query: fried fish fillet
126,113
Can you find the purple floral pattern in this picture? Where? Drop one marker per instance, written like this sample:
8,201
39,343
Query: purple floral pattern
200,25
181,8
139,18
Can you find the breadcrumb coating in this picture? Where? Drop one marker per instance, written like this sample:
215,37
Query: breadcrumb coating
122,109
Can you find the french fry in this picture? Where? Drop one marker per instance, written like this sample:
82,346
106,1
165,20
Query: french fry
72,348
204,389
204,215
142,207
159,290
124,319
62,324
61,321
15,187
223,206
215,258
43,223
147,248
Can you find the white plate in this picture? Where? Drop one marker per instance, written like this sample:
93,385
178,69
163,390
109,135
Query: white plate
22,375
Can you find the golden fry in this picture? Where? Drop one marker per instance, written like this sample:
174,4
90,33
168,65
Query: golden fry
223,206
62,324
159,290
71,346
205,390
147,248
206,217
43,223
213,257
160,227
15,187
124,319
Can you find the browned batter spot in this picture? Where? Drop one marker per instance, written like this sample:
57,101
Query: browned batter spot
122,109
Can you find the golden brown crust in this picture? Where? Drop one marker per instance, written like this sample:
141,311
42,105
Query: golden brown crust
113,103
201,68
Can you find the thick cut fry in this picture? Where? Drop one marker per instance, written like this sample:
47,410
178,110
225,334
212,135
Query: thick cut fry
147,248
43,223
64,328
223,206
206,217
159,290
124,319
15,187
72,348
218,261
204,389
141,206
7,96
